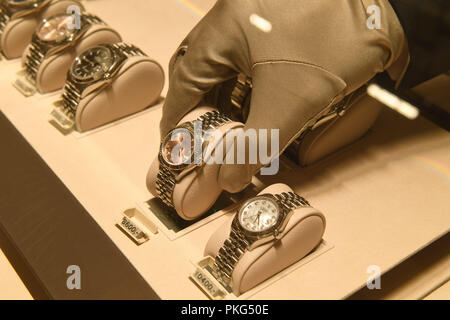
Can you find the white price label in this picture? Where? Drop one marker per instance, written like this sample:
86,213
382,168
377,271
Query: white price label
24,86
203,280
62,119
133,231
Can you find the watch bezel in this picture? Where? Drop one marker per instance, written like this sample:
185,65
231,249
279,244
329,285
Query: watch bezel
272,231
162,159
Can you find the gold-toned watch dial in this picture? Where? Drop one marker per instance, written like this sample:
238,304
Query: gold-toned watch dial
176,148
259,215
57,28
92,64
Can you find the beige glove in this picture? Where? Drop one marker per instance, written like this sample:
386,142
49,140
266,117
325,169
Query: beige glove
304,57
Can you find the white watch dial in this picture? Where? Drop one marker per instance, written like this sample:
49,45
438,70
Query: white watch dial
259,215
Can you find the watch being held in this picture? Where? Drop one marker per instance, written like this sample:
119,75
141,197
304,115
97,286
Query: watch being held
177,152
259,220
53,36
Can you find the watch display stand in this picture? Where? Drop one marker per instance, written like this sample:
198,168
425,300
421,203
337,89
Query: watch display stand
198,190
18,32
302,235
138,85
53,70
215,290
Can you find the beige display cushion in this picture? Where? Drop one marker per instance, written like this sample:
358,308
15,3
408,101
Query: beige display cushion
385,197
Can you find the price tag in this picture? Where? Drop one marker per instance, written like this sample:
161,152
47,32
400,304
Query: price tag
24,85
61,119
132,230
203,279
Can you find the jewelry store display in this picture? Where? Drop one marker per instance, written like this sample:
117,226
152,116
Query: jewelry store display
108,80
209,164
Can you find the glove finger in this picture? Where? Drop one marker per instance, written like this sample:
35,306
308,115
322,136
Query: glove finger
214,52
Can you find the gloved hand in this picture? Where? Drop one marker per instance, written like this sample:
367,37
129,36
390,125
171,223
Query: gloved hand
304,57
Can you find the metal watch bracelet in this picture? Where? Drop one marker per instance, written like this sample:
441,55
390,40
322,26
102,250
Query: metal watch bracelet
71,94
165,182
236,245
240,95
38,50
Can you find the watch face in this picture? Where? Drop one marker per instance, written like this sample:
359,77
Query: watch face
57,28
93,63
177,148
259,214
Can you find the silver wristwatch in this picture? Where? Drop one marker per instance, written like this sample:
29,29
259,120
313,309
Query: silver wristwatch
54,35
259,220
177,152
13,9
93,70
